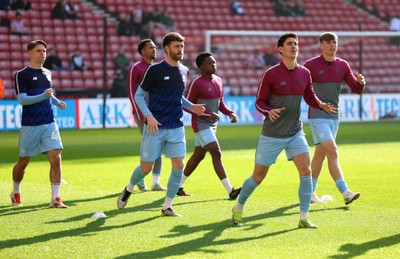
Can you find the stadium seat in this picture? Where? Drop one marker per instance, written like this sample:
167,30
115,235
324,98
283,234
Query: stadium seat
65,74
78,83
66,83
99,83
192,18
90,83
6,75
96,56
97,65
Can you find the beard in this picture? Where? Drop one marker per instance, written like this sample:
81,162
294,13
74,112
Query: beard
176,56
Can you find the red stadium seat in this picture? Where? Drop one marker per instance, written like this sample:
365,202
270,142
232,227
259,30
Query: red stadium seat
90,83
189,17
76,74
97,65
78,83
64,74
6,74
66,83
4,47
99,83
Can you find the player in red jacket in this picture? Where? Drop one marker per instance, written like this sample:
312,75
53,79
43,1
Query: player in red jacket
207,89
279,97
147,49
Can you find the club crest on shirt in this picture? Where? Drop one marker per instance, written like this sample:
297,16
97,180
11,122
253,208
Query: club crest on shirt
302,82
209,90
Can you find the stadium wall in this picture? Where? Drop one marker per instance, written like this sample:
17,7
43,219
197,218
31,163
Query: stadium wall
87,113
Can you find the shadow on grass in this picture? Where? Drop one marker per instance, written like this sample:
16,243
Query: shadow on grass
90,228
204,243
157,204
208,241
11,210
353,250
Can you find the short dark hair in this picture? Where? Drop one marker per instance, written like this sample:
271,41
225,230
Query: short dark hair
201,57
34,43
172,36
142,44
327,36
283,38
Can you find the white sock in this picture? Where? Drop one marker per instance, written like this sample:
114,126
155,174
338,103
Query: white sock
130,187
184,178
227,185
16,187
55,190
303,215
156,179
167,203
239,206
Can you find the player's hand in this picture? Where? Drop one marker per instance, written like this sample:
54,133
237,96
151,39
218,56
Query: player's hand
360,79
199,109
327,107
233,117
152,124
49,92
63,105
275,113
214,117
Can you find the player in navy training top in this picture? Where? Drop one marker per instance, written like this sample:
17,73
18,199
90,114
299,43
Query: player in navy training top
39,129
278,98
146,49
328,73
207,89
163,84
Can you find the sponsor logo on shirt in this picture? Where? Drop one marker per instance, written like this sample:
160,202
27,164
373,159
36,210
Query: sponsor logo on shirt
34,78
166,78
283,83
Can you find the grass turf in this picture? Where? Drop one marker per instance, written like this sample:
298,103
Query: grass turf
97,165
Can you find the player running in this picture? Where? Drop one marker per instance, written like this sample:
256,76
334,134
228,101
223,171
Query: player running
207,89
328,73
39,130
163,84
147,50
279,96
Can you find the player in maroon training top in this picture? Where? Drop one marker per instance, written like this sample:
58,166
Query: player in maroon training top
278,98
147,49
207,89
328,73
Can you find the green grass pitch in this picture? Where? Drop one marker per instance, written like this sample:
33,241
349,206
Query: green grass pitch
97,164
